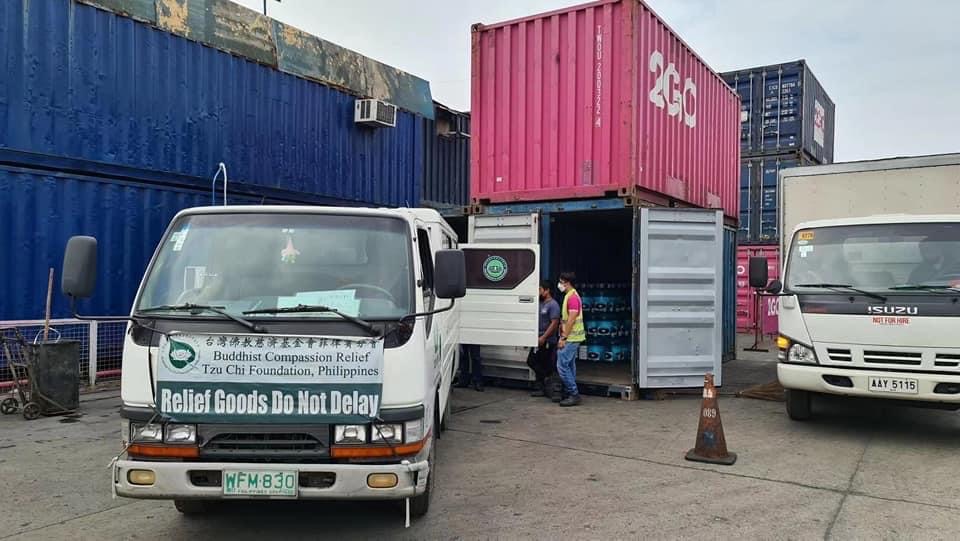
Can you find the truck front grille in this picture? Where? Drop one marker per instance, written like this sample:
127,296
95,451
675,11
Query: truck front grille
946,360
893,357
840,355
914,359
259,443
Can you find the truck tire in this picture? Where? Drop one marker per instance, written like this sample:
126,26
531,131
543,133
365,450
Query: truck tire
419,505
798,404
191,507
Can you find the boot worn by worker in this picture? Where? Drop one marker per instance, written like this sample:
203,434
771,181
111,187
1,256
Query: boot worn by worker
570,401
538,390
556,390
478,386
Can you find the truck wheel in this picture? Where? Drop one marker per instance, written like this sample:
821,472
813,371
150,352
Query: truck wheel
798,405
419,505
191,507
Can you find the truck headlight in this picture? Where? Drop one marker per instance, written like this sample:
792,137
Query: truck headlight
146,433
386,433
177,433
413,431
801,354
350,434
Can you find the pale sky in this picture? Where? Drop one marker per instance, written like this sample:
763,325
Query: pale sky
892,68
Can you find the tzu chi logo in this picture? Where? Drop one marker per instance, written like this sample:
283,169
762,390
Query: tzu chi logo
180,356
495,268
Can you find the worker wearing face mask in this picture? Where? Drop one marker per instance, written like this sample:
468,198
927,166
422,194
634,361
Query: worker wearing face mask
572,334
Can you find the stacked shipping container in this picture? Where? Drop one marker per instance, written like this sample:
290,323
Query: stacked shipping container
114,137
595,100
786,120
585,114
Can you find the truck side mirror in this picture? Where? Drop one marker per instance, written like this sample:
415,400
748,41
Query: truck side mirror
450,274
758,272
79,272
775,287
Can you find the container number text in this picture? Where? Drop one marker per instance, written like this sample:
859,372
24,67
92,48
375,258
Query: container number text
680,102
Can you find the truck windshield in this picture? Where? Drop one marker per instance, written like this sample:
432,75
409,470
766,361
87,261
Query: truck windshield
358,265
915,257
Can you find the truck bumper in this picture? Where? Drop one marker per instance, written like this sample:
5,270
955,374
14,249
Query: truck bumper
811,378
174,480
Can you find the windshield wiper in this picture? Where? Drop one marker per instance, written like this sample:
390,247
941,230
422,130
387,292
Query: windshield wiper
924,287
188,307
304,308
848,287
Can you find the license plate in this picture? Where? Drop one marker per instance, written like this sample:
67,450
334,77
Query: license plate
260,483
893,385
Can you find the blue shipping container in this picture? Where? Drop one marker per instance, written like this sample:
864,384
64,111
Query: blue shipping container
41,209
783,108
446,160
86,83
758,203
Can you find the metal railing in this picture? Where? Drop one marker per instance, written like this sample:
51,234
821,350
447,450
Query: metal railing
101,345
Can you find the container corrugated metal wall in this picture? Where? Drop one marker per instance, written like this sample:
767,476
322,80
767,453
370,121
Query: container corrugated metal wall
745,319
759,188
86,83
598,99
446,160
40,210
784,108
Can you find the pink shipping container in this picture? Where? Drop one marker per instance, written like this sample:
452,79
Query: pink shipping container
745,295
595,100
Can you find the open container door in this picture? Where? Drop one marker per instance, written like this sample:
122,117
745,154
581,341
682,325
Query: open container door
679,297
501,308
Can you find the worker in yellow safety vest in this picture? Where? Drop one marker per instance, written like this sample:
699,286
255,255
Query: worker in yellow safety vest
572,334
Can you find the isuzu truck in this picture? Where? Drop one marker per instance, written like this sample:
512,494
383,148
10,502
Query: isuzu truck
870,299
286,353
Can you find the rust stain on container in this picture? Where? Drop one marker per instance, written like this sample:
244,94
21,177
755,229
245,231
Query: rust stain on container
172,15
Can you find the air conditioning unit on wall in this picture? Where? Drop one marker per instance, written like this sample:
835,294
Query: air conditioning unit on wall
375,113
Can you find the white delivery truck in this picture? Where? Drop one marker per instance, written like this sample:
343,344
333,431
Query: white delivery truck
870,299
287,352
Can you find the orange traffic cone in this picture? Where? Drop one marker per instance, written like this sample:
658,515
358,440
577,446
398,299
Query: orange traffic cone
711,445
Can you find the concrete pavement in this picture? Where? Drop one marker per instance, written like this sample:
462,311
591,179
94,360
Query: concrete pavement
512,466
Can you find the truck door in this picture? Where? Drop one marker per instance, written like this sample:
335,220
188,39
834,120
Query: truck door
679,297
501,307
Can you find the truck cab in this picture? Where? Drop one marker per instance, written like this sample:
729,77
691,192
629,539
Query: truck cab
287,352
869,308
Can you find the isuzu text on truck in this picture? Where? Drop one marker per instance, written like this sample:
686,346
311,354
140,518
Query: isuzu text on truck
287,352
870,303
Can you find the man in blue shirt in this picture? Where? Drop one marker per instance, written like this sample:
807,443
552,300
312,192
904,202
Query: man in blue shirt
543,359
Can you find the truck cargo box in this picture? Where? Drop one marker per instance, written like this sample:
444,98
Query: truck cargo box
916,185
599,99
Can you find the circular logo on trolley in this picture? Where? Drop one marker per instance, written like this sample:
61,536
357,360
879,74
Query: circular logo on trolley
495,268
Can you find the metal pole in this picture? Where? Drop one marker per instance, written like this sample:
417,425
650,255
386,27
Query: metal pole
92,353
264,7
